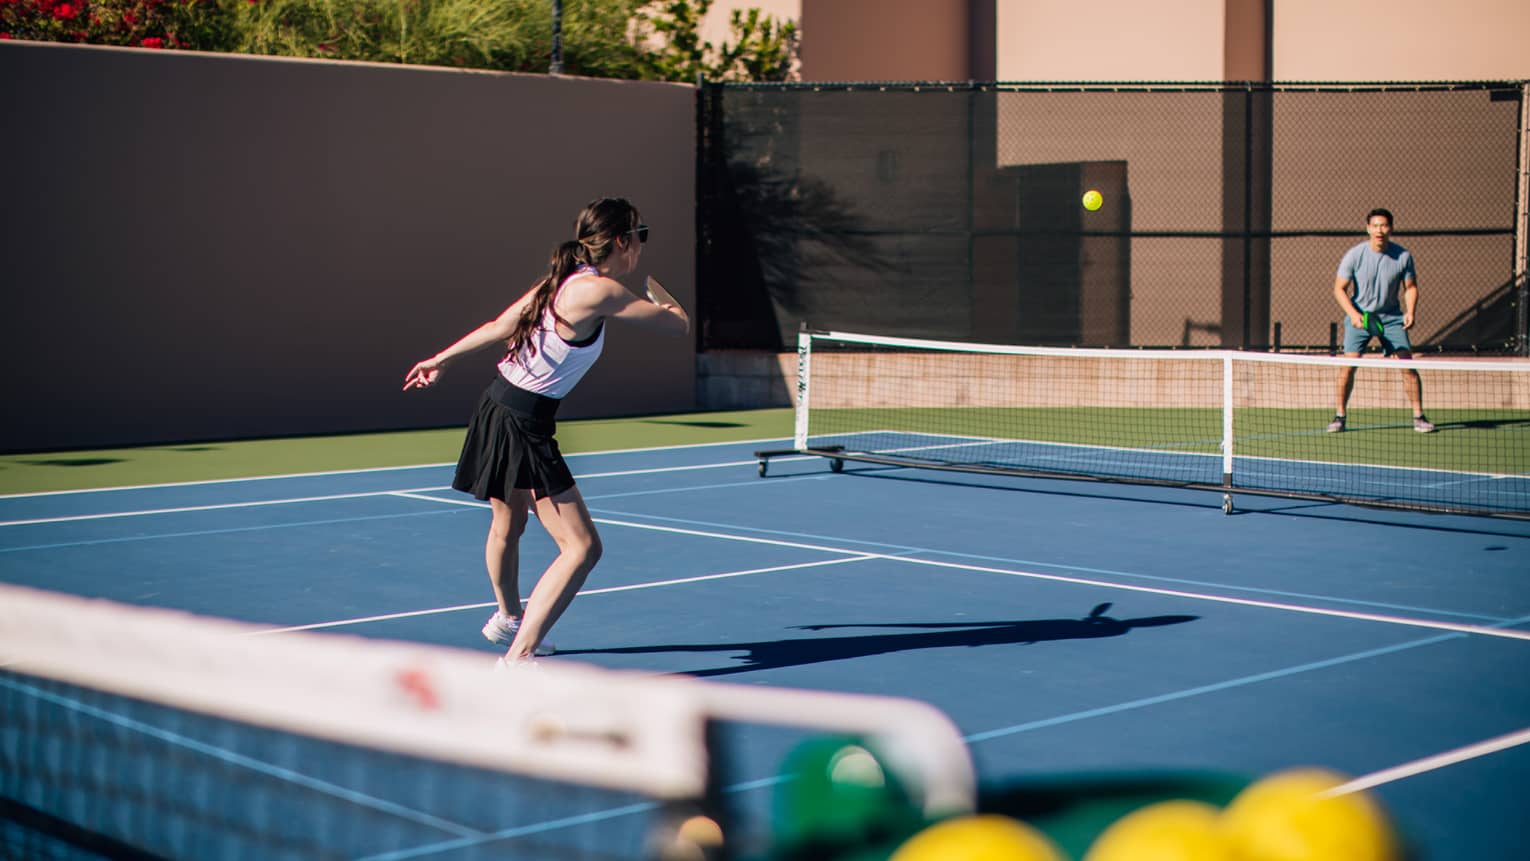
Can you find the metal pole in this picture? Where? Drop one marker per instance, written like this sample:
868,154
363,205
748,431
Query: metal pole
556,66
1522,224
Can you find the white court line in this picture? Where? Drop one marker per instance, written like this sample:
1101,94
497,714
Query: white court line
602,591
727,536
1178,593
204,481
655,470
409,492
1079,581
1431,763
1246,602
1084,581
449,500
217,507
1382,618
371,469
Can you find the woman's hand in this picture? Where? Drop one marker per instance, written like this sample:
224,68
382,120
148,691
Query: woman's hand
424,374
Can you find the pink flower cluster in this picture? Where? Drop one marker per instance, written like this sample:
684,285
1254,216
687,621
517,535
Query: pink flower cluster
137,23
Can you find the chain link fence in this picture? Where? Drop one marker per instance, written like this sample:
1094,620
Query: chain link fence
953,211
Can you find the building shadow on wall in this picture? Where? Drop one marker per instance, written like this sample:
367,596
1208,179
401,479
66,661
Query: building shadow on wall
1491,324
756,228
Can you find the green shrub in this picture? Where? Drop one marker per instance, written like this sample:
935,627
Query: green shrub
510,35
633,39
759,48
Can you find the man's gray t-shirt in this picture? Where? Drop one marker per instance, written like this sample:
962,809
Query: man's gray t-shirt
1378,276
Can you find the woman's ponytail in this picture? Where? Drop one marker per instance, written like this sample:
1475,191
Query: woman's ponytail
596,230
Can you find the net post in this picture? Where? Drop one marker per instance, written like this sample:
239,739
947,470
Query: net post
1227,419
804,364
555,62
1522,225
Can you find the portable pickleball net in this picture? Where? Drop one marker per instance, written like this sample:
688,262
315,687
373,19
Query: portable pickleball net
1228,421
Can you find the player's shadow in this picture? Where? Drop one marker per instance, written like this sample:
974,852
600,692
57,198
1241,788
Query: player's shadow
1487,424
773,654
1447,426
74,461
693,424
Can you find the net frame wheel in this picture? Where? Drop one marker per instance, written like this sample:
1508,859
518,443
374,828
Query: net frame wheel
763,466
837,464
1227,503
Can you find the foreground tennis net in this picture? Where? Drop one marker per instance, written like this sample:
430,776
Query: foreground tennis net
137,733
1220,420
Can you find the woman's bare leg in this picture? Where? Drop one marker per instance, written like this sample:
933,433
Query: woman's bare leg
501,552
568,521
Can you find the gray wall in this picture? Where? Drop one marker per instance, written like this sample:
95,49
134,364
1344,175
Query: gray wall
202,246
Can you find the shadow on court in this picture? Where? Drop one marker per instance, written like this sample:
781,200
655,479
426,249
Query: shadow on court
1019,483
774,654
74,461
1487,424
1248,503
693,424
1341,513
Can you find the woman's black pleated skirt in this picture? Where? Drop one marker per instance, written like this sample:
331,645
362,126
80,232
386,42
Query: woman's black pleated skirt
510,446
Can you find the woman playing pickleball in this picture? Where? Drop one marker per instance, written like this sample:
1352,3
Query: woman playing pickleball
510,457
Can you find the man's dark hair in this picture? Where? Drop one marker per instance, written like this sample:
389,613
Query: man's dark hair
1384,213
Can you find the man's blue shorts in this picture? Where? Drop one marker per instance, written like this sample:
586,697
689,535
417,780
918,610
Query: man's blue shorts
1394,337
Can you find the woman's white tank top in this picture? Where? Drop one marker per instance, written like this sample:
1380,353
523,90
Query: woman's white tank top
558,365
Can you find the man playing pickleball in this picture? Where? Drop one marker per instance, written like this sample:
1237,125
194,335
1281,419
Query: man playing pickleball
1377,289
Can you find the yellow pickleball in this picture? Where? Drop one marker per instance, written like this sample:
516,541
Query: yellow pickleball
1093,200
1288,816
983,837
1165,831
695,839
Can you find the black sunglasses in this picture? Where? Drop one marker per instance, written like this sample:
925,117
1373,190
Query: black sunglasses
642,232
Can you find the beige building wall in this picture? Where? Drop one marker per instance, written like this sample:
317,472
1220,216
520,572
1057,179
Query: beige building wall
1175,40
1311,40
1064,40
715,28
1401,40
886,40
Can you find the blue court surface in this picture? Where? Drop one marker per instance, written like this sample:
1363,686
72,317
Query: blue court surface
1065,627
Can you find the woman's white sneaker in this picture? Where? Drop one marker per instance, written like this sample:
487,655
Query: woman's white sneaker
500,629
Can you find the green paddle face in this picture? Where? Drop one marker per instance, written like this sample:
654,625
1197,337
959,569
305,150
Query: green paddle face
1372,325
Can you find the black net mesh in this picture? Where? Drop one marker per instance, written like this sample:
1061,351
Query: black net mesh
1227,420
954,212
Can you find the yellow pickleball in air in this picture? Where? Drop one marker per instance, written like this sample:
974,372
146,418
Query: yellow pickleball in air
1288,817
1093,200
984,837
1165,831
